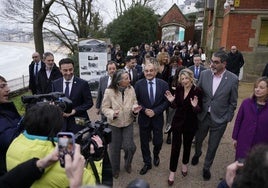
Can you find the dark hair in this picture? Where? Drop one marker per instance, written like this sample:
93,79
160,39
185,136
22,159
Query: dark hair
66,61
43,120
117,77
128,58
254,174
46,54
222,55
3,79
110,63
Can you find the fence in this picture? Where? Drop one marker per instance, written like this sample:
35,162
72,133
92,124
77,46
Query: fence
18,83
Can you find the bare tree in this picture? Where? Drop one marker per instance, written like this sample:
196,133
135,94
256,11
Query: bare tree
80,22
28,12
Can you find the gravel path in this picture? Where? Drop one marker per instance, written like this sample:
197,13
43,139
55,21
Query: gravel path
157,176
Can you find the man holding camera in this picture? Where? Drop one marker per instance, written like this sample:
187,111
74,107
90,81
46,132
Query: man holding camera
78,91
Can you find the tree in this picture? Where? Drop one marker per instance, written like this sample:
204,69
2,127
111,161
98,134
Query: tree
81,22
20,10
138,24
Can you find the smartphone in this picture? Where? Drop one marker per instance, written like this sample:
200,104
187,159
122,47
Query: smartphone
66,144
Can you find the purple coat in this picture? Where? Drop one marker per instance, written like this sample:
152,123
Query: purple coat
251,127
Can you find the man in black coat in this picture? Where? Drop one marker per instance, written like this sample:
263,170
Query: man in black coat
235,61
34,68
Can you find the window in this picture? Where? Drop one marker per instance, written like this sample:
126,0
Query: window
263,39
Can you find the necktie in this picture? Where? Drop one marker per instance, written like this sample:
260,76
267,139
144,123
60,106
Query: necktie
129,74
36,69
196,73
151,95
67,89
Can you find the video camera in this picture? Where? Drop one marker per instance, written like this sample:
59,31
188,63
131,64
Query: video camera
57,98
84,136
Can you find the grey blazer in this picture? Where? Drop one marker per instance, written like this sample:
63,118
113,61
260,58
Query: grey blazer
102,86
223,103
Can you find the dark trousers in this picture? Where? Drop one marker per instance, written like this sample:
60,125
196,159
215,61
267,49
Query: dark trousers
145,137
216,132
177,140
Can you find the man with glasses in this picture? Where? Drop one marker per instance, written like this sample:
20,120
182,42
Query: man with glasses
34,68
235,61
220,88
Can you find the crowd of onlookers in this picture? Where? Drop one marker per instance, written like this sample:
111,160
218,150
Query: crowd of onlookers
198,95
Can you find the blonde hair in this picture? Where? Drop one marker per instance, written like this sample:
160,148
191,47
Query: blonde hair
161,56
188,73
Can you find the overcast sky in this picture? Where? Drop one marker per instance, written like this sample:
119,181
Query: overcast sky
107,8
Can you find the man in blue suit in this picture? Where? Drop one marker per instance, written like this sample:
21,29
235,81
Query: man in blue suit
220,88
150,95
77,90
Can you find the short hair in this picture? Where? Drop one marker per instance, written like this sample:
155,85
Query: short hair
66,61
263,78
128,58
110,63
46,54
3,79
43,120
222,55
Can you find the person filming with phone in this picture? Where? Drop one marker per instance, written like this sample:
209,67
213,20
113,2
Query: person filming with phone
42,123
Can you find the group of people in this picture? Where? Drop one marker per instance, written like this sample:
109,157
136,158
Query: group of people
197,100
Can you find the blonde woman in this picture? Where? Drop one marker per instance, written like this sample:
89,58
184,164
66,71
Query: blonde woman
187,101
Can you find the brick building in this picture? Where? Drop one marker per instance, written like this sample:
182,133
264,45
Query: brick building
241,23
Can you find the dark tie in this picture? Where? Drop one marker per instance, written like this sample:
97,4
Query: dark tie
67,89
129,74
36,69
151,92
196,73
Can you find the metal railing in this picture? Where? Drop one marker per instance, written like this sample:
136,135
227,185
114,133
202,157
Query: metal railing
18,83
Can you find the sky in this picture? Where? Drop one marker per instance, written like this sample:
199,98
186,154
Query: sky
107,8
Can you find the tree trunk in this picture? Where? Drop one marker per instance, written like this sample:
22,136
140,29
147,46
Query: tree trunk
38,26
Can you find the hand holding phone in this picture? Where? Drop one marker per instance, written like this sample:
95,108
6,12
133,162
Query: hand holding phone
66,145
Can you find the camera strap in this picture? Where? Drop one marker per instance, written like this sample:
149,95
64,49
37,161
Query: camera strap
94,169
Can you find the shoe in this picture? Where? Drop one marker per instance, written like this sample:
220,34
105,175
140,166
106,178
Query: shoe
168,126
116,175
195,160
144,169
156,160
128,168
184,170
169,139
170,182
206,174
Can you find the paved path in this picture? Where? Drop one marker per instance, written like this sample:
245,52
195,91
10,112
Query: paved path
157,176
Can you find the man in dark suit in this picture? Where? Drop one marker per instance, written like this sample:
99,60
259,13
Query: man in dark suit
185,57
47,74
34,68
220,88
150,95
77,90
130,62
104,82
197,68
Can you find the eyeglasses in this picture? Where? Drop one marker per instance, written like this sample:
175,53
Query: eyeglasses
214,62
3,85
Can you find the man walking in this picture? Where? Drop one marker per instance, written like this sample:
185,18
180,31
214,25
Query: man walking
150,95
220,88
235,61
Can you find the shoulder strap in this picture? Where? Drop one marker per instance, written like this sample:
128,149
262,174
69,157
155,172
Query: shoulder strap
94,169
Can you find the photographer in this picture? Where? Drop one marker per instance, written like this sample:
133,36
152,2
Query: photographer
42,123
9,123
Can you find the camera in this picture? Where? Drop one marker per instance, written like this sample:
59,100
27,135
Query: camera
56,98
84,136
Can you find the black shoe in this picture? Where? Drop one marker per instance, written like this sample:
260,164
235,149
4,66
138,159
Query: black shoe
169,139
206,174
156,160
195,160
144,169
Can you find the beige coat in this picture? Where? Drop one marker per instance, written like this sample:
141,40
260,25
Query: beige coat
113,101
